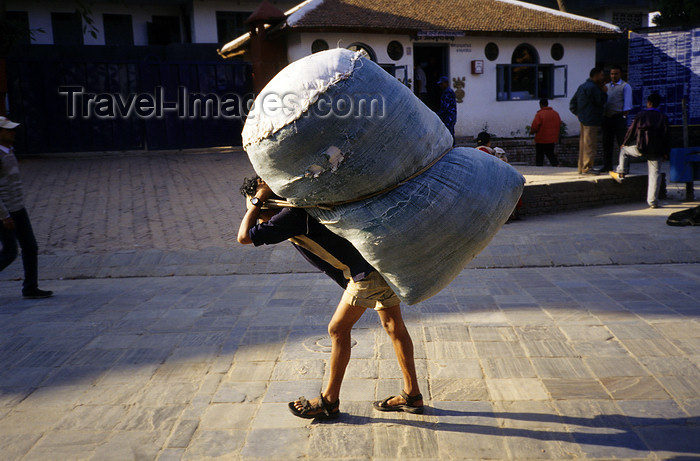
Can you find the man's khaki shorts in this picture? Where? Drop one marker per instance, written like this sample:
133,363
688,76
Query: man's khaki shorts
372,292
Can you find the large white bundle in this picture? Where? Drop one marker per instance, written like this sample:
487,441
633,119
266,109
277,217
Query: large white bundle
420,235
335,126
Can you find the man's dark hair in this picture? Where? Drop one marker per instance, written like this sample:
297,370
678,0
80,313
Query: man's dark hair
483,138
616,66
250,186
544,102
595,71
654,99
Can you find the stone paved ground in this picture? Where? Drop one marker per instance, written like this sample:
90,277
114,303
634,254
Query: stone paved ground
573,336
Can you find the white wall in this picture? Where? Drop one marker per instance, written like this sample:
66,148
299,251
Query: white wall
203,16
505,118
299,45
39,13
480,106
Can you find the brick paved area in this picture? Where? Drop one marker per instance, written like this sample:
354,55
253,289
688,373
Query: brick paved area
572,336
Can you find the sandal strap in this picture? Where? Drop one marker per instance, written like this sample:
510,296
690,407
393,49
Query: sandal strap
324,407
410,400
305,404
328,407
385,402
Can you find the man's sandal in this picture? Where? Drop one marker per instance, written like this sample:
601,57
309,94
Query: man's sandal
319,410
383,405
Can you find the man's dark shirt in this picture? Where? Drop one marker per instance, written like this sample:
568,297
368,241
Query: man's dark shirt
330,253
588,104
448,108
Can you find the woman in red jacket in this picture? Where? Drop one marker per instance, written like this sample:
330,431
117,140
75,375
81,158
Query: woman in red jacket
545,127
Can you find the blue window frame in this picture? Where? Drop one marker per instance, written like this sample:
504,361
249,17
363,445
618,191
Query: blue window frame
525,82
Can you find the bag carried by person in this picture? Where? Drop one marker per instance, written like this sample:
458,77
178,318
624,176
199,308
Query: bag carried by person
335,126
421,235
388,181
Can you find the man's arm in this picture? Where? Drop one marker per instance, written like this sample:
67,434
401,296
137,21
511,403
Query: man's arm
536,122
252,213
573,103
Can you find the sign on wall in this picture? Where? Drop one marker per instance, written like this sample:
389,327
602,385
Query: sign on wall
667,63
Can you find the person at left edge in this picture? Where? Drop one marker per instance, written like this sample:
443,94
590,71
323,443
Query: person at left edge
16,226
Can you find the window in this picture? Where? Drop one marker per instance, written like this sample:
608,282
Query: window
118,29
395,50
67,28
319,45
627,21
525,54
526,79
230,25
491,51
357,46
557,51
530,81
164,30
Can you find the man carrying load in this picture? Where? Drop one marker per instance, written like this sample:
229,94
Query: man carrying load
364,288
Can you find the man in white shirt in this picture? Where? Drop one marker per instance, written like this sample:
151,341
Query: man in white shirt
614,124
16,226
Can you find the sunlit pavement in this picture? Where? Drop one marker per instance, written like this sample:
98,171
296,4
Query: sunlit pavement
572,336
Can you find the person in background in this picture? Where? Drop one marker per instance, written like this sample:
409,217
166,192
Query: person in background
421,84
546,127
647,136
16,226
448,106
615,121
588,104
483,143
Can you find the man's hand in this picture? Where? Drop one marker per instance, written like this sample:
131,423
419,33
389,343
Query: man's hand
8,223
264,192
253,212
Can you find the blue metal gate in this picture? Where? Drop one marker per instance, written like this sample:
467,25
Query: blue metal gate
78,105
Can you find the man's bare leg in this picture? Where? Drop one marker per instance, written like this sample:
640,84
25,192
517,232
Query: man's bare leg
339,329
403,347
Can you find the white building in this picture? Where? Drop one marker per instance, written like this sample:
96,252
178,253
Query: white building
501,56
134,22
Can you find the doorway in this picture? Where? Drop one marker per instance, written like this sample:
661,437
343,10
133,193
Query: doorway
433,59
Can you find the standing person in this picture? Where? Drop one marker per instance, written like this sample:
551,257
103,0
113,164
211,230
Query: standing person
647,136
421,84
364,289
615,121
588,104
16,226
546,127
448,106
